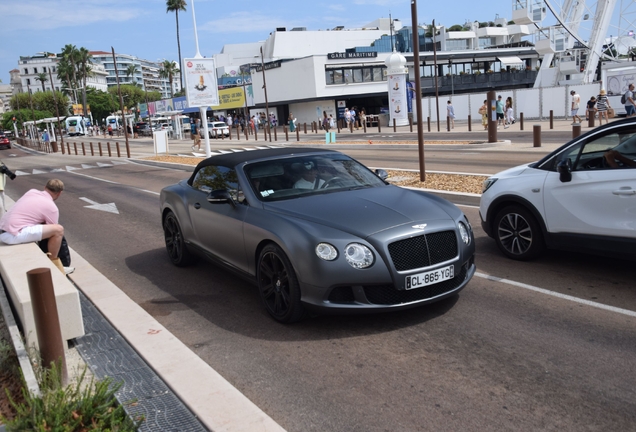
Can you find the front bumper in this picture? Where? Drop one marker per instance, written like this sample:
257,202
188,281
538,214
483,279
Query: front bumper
384,296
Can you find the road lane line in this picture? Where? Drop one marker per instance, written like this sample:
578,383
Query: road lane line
556,294
112,182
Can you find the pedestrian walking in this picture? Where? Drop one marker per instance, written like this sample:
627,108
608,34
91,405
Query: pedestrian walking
603,107
450,112
483,112
576,102
499,109
628,101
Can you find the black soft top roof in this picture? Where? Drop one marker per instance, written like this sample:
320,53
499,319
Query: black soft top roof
230,160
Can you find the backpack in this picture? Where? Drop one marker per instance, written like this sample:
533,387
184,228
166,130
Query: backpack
624,98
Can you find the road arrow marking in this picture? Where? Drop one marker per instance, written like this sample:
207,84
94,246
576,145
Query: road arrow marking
70,168
21,173
110,208
99,164
85,166
37,171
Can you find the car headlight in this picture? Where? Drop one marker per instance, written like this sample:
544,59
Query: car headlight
358,255
326,251
463,232
487,183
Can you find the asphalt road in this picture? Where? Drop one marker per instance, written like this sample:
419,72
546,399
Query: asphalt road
496,357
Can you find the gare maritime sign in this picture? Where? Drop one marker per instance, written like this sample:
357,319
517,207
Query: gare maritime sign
351,55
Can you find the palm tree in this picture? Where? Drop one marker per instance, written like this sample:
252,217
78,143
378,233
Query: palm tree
85,60
176,6
42,78
131,70
70,54
168,70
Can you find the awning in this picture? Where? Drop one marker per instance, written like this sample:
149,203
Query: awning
510,61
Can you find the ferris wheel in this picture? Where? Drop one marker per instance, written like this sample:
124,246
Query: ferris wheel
574,35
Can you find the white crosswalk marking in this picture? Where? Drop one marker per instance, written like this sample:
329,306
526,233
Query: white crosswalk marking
21,173
99,164
86,166
70,168
36,171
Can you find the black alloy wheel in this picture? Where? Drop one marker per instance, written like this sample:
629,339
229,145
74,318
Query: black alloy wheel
518,234
278,285
175,244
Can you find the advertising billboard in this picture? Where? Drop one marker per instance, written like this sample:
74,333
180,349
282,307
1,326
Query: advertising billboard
200,82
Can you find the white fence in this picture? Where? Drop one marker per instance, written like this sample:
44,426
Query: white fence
533,103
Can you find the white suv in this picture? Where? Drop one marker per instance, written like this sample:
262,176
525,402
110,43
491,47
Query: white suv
579,197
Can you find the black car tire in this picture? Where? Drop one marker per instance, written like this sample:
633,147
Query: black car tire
175,244
518,234
278,285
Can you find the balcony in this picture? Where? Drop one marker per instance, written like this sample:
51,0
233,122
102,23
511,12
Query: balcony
468,83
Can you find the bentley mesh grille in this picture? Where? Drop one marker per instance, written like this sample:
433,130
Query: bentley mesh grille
424,250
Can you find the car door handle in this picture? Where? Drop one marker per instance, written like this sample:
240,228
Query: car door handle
624,191
197,206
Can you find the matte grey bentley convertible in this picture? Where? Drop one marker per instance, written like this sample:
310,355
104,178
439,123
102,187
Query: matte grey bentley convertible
317,230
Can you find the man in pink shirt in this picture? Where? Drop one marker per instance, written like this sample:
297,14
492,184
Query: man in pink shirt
35,217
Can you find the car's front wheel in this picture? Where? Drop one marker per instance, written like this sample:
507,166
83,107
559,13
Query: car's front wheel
518,234
278,285
175,244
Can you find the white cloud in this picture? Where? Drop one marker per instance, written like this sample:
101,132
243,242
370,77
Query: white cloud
46,15
243,22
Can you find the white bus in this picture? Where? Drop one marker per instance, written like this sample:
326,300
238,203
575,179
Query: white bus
75,125
114,122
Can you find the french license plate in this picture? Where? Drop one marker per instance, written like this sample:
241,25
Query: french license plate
430,277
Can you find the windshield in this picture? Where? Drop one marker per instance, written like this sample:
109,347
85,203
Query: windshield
308,175
72,122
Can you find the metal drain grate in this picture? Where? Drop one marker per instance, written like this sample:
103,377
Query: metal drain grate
107,354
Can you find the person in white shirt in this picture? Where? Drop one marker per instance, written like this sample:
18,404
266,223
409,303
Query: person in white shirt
308,180
576,102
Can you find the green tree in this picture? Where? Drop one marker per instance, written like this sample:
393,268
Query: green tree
84,66
102,103
132,95
168,70
70,55
44,101
154,96
176,6
42,77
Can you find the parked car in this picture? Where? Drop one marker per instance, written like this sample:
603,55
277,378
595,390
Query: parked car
4,142
579,197
216,129
317,230
144,129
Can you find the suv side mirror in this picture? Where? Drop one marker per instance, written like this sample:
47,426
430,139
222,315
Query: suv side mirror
382,174
564,168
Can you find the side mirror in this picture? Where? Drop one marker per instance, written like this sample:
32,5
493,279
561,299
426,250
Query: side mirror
382,174
564,168
220,196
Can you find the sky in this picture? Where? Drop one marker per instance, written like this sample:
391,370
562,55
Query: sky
143,28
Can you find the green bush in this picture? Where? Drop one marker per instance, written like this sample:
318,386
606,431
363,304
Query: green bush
77,407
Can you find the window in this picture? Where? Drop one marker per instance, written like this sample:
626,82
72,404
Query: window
329,77
28,81
214,177
378,74
354,75
367,74
338,77
26,71
357,75
43,68
35,70
589,155
348,76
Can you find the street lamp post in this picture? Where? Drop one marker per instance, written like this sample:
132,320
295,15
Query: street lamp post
57,111
121,104
265,90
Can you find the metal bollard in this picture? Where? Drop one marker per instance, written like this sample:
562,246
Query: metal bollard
100,149
68,147
410,124
47,320
576,130
92,151
75,147
551,119
127,150
379,126
470,124
520,121
536,135
255,134
305,125
428,121
394,126
351,126
590,118
83,149
117,147
108,146
275,136
238,134
448,123
297,134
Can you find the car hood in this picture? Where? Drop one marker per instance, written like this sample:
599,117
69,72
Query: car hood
363,212
514,171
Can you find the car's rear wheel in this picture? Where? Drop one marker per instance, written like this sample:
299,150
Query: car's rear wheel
518,234
175,244
278,285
